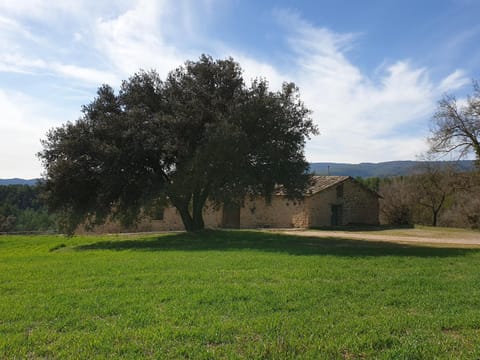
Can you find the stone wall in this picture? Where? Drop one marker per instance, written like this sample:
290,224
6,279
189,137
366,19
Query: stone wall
255,213
280,213
172,220
360,205
319,207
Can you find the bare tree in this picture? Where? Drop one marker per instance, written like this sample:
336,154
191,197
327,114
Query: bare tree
435,186
465,211
456,125
396,202
435,194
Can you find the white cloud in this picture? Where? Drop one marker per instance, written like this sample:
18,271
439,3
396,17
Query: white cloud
24,122
253,69
151,34
360,117
12,30
14,62
60,11
77,37
17,56
454,81
30,8
86,75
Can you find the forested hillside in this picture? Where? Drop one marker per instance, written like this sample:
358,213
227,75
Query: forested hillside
18,181
384,169
21,209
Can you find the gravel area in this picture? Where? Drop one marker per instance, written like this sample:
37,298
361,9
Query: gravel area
464,240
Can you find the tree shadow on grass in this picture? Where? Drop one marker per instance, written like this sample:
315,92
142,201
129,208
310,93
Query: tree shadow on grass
223,240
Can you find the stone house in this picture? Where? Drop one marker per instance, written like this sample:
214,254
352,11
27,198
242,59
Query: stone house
330,201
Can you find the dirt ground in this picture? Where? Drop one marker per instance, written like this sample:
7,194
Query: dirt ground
413,236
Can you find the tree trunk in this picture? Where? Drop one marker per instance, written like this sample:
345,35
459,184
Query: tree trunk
181,204
193,221
434,221
437,209
476,148
197,216
186,218
198,222
198,203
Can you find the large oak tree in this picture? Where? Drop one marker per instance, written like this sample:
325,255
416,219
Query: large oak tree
199,134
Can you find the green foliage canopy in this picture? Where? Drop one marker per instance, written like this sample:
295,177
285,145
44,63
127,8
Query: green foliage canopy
200,134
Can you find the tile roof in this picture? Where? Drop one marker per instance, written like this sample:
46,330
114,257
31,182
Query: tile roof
320,183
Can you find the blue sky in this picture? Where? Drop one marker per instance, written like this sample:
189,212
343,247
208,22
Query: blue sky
371,71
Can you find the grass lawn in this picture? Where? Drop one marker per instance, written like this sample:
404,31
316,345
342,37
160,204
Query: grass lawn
236,294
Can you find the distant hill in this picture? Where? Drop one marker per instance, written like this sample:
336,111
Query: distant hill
17,181
365,170
383,169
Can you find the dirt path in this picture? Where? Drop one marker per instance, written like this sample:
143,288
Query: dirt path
467,240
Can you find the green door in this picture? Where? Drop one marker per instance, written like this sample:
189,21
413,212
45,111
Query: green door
336,215
231,216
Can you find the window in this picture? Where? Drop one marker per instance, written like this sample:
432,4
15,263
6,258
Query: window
340,191
157,213
156,209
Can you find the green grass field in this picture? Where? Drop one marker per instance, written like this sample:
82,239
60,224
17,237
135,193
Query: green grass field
236,294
